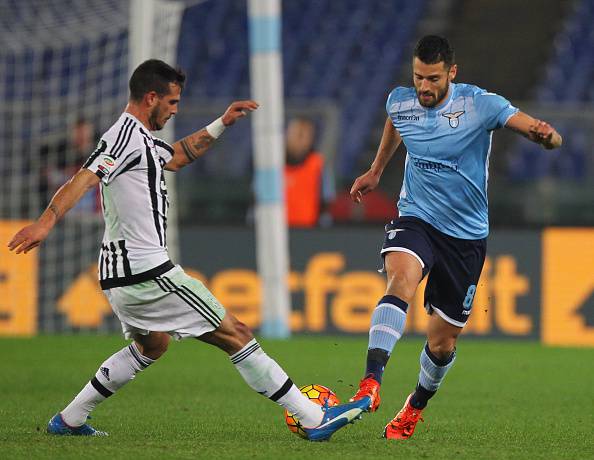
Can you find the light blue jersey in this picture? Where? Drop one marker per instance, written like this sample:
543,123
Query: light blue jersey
447,160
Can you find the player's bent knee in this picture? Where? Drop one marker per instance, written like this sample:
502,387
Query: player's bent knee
243,333
442,348
402,285
231,335
154,345
239,337
155,352
403,281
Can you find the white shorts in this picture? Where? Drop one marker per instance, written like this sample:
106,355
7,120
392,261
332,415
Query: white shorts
173,302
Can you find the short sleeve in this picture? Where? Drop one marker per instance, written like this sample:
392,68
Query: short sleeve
164,149
493,110
395,96
389,102
106,165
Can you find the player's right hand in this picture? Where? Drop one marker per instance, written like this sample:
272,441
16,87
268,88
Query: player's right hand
28,238
363,185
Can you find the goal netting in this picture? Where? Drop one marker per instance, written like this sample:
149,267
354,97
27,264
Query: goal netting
64,67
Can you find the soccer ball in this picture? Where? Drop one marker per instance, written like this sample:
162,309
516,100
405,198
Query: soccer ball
316,393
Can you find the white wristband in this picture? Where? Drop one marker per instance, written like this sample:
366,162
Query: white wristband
216,128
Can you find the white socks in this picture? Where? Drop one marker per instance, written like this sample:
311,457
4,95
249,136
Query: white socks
113,374
266,377
259,371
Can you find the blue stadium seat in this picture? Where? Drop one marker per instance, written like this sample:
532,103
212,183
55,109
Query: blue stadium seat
347,51
568,81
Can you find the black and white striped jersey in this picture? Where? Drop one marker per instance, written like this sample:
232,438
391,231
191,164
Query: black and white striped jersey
129,161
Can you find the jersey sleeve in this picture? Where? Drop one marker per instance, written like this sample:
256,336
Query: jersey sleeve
389,101
493,110
106,163
395,96
164,149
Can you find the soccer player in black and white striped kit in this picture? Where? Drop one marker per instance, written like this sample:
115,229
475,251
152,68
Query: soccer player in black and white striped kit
153,298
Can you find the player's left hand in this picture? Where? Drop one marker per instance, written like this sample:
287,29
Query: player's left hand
237,110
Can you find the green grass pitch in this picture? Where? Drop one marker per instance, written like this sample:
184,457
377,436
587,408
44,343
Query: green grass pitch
501,400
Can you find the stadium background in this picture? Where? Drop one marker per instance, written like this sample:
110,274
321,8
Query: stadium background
521,388
63,60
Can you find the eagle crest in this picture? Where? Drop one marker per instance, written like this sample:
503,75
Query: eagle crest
453,118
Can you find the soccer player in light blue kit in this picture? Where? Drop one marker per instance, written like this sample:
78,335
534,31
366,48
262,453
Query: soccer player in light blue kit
443,221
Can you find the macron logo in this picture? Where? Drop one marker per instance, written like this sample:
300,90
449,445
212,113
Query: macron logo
408,117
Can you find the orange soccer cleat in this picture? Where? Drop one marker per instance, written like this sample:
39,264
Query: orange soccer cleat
368,387
403,425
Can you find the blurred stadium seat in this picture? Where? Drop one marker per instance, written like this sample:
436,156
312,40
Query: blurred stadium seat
347,51
569,74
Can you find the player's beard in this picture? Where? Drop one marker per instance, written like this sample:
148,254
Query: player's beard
154,119
441,94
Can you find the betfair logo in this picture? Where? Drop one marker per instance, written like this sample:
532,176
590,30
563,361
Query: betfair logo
568,293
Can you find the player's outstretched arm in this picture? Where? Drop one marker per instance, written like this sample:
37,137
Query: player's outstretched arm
367,182
66,197
536,130
191,147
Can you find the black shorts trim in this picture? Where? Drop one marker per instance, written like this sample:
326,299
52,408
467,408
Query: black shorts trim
137,278
190,299
432,308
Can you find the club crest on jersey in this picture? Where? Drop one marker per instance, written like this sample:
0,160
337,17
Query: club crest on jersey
453,118
392,233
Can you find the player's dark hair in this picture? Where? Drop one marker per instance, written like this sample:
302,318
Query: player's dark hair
432,49
154,75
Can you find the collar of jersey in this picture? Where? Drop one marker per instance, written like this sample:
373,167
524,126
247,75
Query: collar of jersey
128,114
447,101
